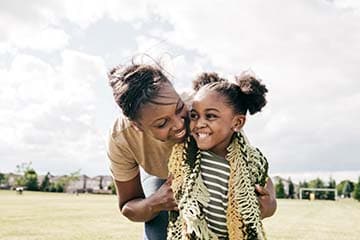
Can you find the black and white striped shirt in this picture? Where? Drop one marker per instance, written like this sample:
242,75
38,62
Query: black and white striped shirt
215,172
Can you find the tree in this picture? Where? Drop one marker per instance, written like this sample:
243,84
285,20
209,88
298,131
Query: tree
28,178
279,188
348,189
305,194
332,184
112,188
101,182
45,184
31,181
318,183
291,189
357,190
2,178
304,184
20,169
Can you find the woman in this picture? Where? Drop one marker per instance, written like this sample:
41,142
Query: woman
153,121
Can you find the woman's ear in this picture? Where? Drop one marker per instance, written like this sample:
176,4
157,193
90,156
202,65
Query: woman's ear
238,122
136,126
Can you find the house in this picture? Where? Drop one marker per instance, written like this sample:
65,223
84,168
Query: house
98,184
10,181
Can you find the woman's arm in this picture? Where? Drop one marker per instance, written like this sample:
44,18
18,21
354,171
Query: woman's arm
134,205
267,199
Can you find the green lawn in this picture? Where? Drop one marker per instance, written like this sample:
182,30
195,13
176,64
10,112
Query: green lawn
304,219
60,216
41,216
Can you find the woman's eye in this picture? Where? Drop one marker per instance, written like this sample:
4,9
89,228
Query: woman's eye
180,108
162,124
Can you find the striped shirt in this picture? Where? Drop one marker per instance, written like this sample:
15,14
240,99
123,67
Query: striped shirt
215,172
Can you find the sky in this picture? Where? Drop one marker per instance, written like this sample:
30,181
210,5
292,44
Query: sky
56,106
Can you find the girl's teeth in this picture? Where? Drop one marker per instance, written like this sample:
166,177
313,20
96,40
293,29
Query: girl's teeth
203,135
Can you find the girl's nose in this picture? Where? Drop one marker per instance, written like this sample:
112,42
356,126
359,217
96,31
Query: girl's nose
200,123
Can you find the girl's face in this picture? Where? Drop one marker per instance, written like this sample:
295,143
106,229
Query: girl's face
212,121
165,119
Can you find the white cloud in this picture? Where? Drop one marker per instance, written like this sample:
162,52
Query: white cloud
307,54
39,24
31,25
305,51
48,115
46,40
351,5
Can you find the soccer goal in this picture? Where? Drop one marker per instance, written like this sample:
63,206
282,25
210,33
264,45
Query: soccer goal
313,190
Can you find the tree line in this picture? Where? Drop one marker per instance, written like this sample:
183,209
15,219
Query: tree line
28,178
345,189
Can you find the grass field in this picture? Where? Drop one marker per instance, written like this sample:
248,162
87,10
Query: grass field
56,216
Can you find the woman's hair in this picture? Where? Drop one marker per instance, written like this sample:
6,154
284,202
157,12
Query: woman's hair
135,85
247,94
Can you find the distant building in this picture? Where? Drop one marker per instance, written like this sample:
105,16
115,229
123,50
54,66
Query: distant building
10,181
98,184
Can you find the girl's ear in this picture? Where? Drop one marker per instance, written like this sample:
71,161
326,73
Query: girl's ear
238,122
136,126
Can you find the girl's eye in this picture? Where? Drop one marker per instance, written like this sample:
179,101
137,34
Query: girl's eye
193,116
210,116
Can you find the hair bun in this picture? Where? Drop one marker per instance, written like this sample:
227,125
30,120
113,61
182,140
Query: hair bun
206,78
255,91
245,81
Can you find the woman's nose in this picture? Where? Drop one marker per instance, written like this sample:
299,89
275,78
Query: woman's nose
178,124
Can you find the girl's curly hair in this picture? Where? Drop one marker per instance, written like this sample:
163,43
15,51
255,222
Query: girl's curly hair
248,94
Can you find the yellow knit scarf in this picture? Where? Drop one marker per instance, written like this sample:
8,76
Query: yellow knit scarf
247,168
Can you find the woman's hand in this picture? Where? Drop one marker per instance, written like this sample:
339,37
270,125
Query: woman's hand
267,199
163,198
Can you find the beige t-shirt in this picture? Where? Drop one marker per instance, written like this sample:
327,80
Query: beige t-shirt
128,148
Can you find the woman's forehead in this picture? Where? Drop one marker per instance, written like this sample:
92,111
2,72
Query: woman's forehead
154,111
166,95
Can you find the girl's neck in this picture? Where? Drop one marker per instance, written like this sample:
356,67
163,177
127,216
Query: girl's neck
221,149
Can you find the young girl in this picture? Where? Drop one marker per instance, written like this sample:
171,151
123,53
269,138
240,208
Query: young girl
215,170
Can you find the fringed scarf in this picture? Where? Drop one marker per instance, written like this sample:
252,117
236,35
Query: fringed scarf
247,167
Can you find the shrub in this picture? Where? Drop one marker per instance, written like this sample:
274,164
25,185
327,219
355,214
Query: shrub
357,190
279,188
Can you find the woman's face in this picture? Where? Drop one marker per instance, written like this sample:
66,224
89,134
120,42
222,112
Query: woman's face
165,119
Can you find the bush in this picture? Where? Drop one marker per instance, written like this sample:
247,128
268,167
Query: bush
345,188
45,184
291,189
112,188
357,190
279,188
